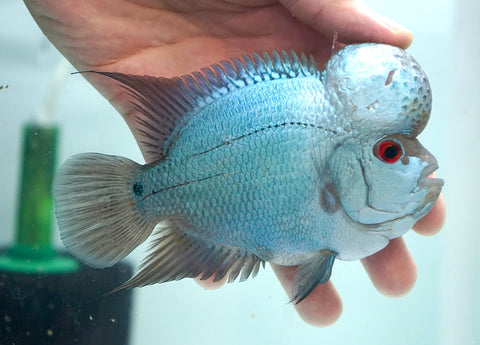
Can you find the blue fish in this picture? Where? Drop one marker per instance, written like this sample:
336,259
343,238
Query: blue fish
263,158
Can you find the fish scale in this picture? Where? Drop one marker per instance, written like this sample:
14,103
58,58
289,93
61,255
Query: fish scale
263,158
248,176
231,118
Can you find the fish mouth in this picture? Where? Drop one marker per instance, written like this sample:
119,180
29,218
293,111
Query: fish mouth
425,181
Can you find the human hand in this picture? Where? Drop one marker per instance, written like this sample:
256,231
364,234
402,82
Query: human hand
168,38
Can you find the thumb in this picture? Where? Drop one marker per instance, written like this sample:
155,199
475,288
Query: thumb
352,20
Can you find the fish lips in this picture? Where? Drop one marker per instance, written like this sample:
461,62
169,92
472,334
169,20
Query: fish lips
426,181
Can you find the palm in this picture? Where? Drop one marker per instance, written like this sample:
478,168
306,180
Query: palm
158,38
167,38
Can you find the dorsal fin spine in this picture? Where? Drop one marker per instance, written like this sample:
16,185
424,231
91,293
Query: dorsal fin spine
288,64
211,78
192,85
267,58
176,100
202,83
221,79
279,65
260,67
231,73
304,64
312,64
293,70
250,70
164,105
243,78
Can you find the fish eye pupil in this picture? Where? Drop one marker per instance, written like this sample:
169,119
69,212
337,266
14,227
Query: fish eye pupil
138,189
391,152
388,151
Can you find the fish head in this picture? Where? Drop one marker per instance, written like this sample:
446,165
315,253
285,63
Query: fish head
382,180
381,171
378,88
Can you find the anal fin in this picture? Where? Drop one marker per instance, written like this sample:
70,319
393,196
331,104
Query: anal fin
174,254
308,275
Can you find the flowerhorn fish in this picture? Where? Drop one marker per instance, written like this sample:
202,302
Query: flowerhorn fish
263,158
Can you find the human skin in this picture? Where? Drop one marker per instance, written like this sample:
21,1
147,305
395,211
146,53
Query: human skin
169,38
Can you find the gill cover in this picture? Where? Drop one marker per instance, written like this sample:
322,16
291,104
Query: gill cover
375,186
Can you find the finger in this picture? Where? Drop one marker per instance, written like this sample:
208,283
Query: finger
392,270
321,308
352,20
433,221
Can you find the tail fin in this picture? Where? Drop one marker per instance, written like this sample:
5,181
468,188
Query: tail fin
95,208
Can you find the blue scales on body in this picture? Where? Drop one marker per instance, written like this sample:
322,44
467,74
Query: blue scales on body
264,158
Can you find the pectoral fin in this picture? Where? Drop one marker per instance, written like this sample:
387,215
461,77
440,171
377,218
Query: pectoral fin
310,274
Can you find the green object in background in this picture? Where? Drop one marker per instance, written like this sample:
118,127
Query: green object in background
33,251
45,297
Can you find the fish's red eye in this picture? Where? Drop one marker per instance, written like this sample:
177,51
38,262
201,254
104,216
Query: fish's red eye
388,151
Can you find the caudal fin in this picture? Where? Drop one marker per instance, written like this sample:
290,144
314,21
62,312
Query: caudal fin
95,208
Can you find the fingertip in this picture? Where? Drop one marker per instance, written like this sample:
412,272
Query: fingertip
393,33
392,270
353,21
322,308
433,221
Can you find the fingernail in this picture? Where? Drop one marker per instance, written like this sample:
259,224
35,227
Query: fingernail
395,28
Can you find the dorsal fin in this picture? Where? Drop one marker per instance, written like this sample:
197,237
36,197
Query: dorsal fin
161,105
